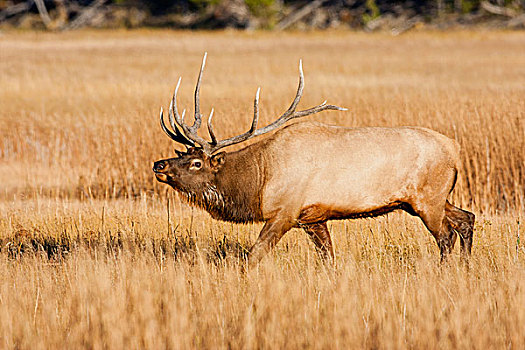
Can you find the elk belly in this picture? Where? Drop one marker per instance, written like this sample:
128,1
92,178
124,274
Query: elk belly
366,187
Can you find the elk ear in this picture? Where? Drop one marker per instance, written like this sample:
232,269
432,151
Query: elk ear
217,160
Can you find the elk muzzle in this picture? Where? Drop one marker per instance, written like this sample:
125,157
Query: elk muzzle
160,168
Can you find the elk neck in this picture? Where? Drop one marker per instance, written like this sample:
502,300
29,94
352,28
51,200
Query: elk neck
235,193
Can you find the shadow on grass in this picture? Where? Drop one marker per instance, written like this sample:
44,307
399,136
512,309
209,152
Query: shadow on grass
31,242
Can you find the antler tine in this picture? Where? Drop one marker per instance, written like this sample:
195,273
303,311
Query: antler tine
182,116
298,96
173,104
210,129
322,107
177,136
289,114
255,111
165,128
239,138
198,117
173,109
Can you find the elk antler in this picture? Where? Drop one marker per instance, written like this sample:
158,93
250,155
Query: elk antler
191,137
177,136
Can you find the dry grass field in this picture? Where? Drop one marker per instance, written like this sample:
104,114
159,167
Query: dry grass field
94,253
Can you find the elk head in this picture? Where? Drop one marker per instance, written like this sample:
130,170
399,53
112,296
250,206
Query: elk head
195,169
191,171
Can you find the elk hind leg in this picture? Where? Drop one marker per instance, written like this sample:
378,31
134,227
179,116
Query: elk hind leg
320,235
437,223
463,222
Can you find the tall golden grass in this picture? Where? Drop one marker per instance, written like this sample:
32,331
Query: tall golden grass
95,254
117,274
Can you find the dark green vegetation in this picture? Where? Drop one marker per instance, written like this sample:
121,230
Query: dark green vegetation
398,16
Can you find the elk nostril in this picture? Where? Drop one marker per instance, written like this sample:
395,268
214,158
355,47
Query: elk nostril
159,166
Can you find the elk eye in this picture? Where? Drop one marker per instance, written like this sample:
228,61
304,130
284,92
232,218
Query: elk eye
196,164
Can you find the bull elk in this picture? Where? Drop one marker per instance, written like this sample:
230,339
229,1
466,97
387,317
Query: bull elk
308,173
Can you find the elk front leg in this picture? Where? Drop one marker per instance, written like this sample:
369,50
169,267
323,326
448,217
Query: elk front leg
271,233
320,235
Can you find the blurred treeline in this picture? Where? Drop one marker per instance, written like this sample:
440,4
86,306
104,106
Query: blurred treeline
398,16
